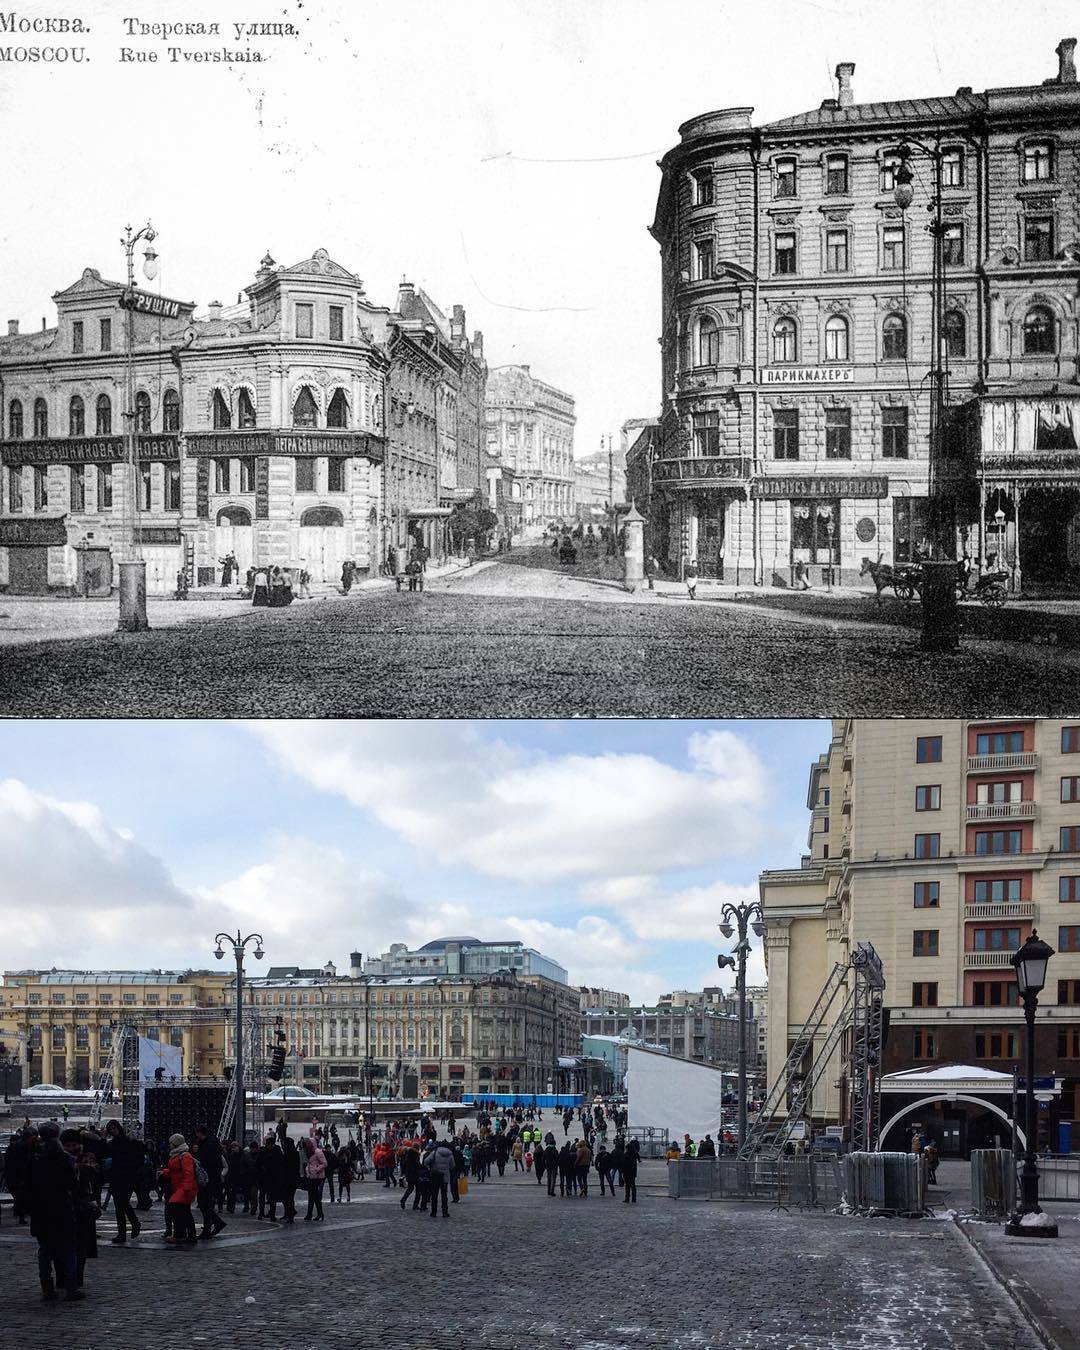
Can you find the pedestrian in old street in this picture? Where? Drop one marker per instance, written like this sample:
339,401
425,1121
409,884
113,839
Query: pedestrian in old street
690,575
582,1166
410,1171
629,1173
288,1171
930,1153
52,1185
87,1197
602,1163
344,1174
315,1176
439,1161
208,1152
182,1191
124,1158
516,1152
347,569
260,589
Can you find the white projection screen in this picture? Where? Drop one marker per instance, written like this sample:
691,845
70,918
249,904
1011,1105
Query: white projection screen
673,1094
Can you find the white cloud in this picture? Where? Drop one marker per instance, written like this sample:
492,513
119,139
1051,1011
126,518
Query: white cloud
532,816
654,911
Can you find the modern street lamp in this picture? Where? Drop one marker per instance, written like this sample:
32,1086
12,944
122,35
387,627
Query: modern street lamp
940,616
133,567
741,918
1030,966
238,945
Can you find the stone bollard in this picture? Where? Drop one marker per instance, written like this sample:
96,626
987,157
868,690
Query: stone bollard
634,556
133,597
940,615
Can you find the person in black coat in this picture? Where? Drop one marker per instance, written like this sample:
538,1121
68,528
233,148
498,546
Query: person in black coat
208,1151
502,1151
602,1163
288,1173
125,1158
51,1192
266,1174
551,1163
17,1170
410,1171
629,1172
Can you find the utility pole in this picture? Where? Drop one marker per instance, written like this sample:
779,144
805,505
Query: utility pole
610,496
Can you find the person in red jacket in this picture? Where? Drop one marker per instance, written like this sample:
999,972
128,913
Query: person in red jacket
183,1189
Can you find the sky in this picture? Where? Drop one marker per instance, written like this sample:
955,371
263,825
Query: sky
610,846
501,153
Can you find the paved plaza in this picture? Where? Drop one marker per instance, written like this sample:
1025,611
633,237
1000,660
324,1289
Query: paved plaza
507,640
513,1268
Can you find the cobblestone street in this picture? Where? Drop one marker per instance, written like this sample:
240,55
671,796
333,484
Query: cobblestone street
512,1268
499,642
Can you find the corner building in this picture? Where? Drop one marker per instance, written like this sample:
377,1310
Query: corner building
943,843
797,309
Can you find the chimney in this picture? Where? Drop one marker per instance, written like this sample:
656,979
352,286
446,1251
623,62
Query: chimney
1066,65
13,328
844,72
356,964
215,309
457,323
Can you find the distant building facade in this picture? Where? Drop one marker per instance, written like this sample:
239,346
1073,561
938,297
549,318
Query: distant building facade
530,429
693,1031
592,997
465,956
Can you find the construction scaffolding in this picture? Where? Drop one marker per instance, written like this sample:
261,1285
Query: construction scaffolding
254,1070
845,1005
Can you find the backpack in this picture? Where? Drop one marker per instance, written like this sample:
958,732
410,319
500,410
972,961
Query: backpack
201,1178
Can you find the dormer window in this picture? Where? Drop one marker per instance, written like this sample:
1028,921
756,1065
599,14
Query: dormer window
1038,161
77,336
787,182
836,175
106,335
703,187
305,321
952,169
337,323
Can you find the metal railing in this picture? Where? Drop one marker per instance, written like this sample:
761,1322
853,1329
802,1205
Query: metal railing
1018,759
798,1181
985,960
1002,909
885,1183
993,1182
1059,1177
1001,810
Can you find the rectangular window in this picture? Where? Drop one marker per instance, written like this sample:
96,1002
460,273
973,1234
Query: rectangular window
1069,889
77,336
1069,938
892,248
889,166
894,433
1037,162
911,524
1070,789
1068,1043
995,994
923,1045
997,891
247,474
1038,238
784,254
221,475
703,188
924,942
999,743
1070,740
928,845
703,257
927,894
786,178
105,334
78,487
144,487
837,433
305,475
41,487
995,1044
1069,992
928,798
998,841
305,320
335,474
1069,839
952,169
706,433
924,994
104,487
172,487
836,250
952,245
996,939
337,323
786,433
15,492
998,793
836,175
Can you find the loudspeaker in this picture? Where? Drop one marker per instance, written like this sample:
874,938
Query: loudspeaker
177,1110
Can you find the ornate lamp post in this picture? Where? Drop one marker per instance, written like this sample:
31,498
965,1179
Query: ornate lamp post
1030,966
238,945
132,566
940,617
741,918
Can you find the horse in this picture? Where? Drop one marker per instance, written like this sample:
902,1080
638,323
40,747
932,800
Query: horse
904,580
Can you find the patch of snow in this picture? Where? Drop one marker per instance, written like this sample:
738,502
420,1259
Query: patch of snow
1040,1220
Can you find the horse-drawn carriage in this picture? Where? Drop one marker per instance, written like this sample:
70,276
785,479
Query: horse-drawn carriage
906,582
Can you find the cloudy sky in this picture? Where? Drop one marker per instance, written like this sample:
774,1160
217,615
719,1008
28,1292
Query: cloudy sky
502,153
607,845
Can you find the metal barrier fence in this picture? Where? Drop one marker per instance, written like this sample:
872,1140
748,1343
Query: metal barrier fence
652,1140
993,1182
885,1183
1059,1178
788,1182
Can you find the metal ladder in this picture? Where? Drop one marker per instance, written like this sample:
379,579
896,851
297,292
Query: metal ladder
252,1046
110,1084
787,1081
803,1088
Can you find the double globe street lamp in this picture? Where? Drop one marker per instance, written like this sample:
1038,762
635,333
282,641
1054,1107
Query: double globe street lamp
741,918
238,945
1030,963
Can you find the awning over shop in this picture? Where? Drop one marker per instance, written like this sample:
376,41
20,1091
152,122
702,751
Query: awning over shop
429,512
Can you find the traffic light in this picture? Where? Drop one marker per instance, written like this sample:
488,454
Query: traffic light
277,1062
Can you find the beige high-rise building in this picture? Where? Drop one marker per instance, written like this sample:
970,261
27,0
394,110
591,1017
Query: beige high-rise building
944,844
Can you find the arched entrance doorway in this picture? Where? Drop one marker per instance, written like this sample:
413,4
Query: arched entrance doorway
322,542
913,1108
233,533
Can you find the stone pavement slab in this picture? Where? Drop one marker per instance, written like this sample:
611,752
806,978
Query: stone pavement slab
514,1269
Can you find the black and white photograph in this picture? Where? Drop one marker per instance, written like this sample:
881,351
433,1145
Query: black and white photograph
539,615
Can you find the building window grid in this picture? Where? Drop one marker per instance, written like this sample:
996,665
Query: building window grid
924,942
786,433
927,845
928,797
927,894
837,433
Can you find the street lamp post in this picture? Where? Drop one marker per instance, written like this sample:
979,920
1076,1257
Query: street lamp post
1029,963
999,521
238,945
741,918
940,615
132,566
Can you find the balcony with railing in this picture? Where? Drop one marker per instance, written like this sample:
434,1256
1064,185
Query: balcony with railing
987,960
1001,909
1001,810
1017,759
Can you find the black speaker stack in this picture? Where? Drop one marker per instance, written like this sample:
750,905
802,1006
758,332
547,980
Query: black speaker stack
177,1109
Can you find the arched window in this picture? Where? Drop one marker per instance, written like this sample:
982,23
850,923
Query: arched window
170,411
142,412
1038,332
836,338
41,419
894,337
76,417
245,411
955,333
708,342
784,340
337,414
15,422
305,411
103,426
222,415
